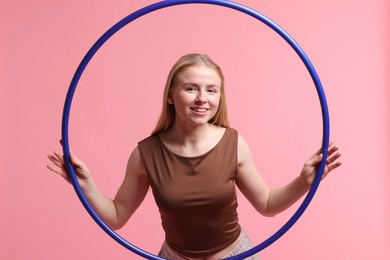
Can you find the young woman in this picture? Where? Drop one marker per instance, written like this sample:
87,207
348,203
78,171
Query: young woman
193,162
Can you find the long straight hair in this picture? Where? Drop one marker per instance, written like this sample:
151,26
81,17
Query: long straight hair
167,117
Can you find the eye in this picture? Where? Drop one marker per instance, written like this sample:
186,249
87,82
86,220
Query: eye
212,90
190,89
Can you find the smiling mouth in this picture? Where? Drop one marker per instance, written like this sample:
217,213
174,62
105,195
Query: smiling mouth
200,110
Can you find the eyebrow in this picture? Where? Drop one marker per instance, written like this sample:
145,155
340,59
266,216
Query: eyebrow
195,84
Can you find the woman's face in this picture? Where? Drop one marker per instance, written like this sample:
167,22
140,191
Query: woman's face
196,95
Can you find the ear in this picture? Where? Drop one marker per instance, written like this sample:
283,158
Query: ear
170,100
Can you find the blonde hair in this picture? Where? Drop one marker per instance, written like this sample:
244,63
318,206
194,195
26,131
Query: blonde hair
167,117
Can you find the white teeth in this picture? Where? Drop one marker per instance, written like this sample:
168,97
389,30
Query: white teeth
199,109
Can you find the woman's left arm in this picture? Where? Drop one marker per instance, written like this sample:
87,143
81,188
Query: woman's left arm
270,202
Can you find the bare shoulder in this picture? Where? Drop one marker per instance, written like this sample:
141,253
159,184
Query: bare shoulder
244,152
241,140
135,164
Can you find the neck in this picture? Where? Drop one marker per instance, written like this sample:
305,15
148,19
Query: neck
190,135
192,141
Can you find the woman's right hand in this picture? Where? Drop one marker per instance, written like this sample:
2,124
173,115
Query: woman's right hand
58,166
115,212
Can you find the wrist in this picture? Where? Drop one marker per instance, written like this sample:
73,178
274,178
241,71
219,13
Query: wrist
87,185
304,182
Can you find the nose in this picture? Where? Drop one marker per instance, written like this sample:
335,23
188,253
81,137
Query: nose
201,98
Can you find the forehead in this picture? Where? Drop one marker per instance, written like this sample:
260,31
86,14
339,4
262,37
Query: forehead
199,74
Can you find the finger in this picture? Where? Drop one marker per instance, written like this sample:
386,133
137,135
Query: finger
332,149
59,156
74,159
333,157
333,166
57,169
314,160
333,160
63,174
319,151
55,161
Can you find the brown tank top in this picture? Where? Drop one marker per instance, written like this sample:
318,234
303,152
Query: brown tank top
196,196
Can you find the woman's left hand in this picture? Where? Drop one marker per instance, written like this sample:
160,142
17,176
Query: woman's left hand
332,162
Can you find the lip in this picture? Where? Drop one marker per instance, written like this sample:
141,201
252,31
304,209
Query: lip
200,109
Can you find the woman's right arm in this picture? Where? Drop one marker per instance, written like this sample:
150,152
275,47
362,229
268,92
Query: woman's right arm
114,212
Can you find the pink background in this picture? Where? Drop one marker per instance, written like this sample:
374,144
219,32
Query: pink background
271,98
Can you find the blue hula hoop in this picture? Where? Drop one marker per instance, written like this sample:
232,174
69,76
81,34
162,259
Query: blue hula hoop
169,3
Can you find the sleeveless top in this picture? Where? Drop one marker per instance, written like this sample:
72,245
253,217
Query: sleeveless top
196,196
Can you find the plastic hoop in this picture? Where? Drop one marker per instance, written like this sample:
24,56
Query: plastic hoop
169,3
